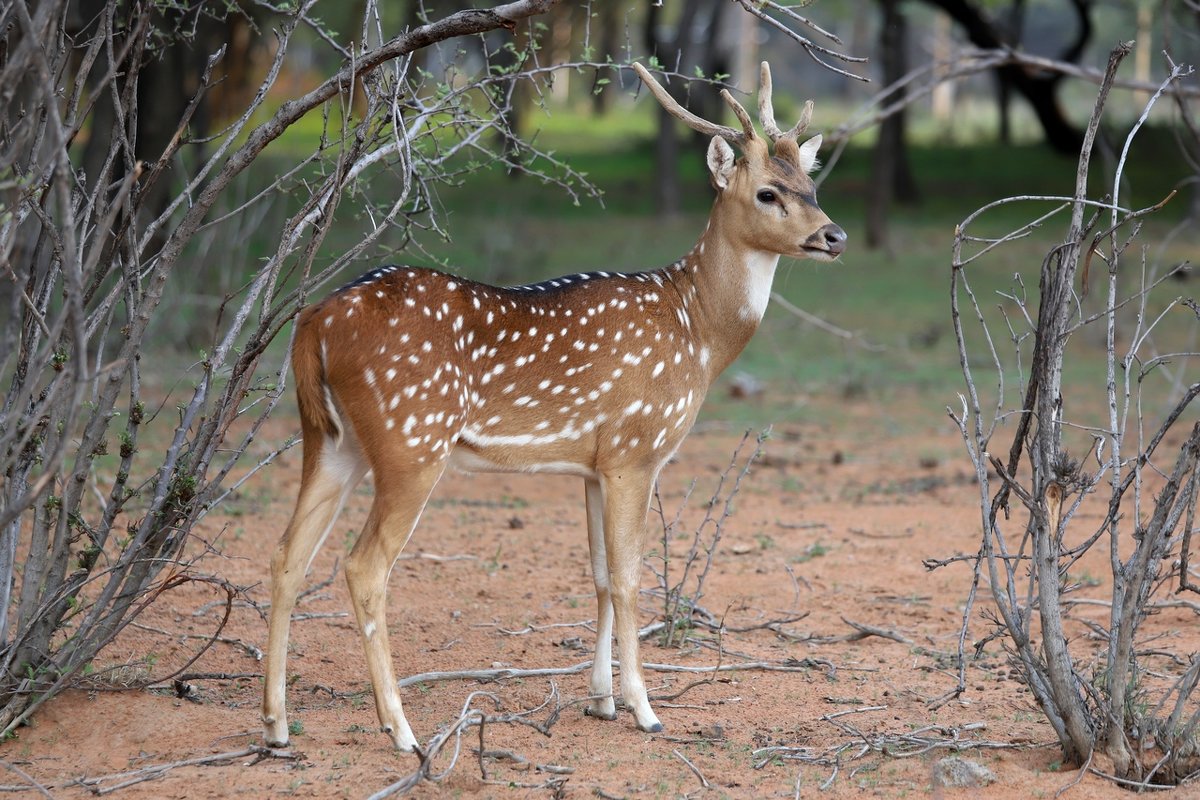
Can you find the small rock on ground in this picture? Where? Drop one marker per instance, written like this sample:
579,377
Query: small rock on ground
961,772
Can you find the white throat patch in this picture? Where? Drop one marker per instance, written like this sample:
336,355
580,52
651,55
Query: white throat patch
759,274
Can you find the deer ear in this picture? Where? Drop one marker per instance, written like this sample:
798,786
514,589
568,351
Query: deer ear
808,153
720,162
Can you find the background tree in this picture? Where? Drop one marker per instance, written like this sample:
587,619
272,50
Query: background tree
673,48
1038,87
891,171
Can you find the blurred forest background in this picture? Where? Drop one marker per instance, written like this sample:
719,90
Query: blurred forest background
631,182
635,184
178,178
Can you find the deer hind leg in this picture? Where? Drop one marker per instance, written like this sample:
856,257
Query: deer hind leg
626,501
400,497
602,704
323,491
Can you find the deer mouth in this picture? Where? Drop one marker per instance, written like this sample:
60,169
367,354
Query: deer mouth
821,253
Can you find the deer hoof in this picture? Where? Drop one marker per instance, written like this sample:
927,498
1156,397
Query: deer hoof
602,712
404,741
274,734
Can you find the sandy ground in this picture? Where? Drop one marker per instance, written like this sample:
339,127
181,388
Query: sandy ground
829,531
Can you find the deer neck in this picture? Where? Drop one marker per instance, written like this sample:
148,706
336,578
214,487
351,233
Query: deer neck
725,286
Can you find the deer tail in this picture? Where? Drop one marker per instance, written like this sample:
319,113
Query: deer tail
318,414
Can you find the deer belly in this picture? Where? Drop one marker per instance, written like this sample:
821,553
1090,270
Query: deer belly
479,452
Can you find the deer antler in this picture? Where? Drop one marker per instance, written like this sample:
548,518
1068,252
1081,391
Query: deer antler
747,134
766,111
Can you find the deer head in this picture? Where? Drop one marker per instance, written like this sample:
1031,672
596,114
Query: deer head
766,200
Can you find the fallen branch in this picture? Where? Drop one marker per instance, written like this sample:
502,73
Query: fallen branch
207,676
316,587
438,558
522,761
136,776
862,631
585,624
472,717
694,684
508,673
30,783
906,744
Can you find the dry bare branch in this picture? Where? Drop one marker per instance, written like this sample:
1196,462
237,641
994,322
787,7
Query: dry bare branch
1088,714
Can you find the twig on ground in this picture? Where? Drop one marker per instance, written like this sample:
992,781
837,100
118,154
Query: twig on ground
136,776
1079,773
250,648
472,717
862,631
695,770
523,762
679,606
866,534
860,710
770,625
25,776
859,744
439,558
208,676
796,581
587,624
316,587
694,684
800,526
1132,784
307,615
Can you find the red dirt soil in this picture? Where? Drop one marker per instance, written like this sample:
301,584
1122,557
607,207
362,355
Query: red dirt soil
834,528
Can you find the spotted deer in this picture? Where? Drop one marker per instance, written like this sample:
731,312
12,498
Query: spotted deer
408,371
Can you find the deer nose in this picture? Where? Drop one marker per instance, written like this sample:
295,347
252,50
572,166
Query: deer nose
834,238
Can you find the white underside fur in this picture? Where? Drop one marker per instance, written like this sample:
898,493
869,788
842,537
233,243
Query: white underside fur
759,274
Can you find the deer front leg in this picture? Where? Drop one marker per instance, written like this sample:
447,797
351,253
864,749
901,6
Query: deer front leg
399,500
602,704
626,501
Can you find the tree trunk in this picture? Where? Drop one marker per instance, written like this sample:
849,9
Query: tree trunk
1040,90
608,20
670,51
891,173
666,166
1014,24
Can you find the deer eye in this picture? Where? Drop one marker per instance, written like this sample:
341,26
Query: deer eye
766,196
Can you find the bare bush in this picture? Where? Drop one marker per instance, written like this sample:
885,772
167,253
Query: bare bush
92,526
681,586
1094,399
